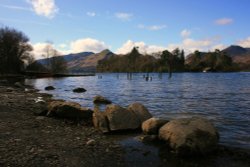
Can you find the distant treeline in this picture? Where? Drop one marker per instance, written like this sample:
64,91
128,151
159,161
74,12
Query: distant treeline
211,61
136,62
168,61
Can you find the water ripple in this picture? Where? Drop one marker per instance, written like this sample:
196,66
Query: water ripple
224,98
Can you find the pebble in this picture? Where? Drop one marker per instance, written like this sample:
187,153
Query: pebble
40,118
91,142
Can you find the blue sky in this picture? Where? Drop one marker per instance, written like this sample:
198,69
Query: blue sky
153,25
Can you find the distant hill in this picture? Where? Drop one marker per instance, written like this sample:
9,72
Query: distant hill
88,63
76,56
234,50
82,62
240,55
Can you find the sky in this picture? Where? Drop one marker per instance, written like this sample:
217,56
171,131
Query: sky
73,26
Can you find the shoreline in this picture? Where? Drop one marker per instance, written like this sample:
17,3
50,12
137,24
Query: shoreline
28,140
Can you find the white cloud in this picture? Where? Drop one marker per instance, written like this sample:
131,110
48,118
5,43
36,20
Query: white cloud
152,28
63,46
143,48
185,33
80,45
190,45
87,45
45,8
39,49
224,21
91,14
244,42
124,16
218,46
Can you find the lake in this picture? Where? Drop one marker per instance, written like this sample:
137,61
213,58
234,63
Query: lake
224,98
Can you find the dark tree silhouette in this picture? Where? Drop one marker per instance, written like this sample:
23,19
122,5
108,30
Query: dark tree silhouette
14,50
169,59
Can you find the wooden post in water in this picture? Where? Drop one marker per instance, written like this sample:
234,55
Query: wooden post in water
160,75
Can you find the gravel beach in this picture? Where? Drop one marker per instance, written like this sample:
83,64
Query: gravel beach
27,139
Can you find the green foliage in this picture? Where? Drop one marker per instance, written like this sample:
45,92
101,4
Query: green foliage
136,62
14,50
215,61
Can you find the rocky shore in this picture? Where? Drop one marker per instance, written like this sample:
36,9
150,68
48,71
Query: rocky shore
29,139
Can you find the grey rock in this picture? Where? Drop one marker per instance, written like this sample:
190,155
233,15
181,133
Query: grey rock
69,110
120,118
152,125
188,136
100,121
140,111
101,100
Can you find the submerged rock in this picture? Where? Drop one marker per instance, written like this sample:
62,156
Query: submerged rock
69,110
189,136
101,100
152,126
79,90
49,88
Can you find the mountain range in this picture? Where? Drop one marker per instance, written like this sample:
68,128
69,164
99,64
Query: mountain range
87,61
82,62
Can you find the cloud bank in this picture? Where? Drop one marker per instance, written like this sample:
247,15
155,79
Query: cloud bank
244,42
143,47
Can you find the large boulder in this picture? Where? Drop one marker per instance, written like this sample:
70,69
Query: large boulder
189,136
101,100
152,126
121,119
71,110
140,111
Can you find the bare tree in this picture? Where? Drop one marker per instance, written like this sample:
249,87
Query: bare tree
55,63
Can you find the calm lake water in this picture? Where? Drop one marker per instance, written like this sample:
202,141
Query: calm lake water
224,98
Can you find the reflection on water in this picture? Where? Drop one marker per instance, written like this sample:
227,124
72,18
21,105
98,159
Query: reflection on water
223,98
